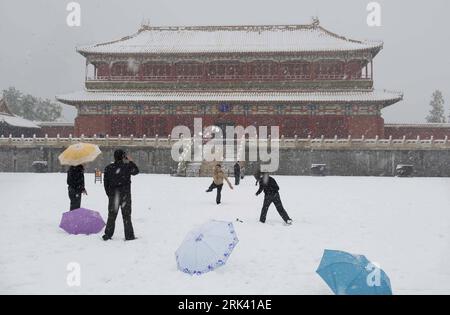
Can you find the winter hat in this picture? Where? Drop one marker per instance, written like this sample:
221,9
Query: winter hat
119,155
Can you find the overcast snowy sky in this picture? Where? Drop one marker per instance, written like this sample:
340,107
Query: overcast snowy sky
37,50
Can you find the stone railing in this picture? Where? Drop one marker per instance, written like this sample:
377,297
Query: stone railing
284,143
363,143
105,142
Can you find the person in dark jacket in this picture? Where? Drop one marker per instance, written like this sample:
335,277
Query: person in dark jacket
237,173
272,195
117,182
75,183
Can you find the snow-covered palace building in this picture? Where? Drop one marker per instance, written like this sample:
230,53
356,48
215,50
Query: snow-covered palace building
303,78
13,125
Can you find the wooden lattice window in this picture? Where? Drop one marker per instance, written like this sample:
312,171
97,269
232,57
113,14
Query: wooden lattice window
296,70
263,69
156,70
189,70
102,70
353,69
122,70
331,70
225,70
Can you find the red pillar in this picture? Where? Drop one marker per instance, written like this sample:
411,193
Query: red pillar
204,73
371,69
367,70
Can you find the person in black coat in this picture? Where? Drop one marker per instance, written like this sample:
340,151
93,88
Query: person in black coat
117,182
237,173
75,183
272,195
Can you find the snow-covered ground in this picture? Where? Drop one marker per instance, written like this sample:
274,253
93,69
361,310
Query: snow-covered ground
402,224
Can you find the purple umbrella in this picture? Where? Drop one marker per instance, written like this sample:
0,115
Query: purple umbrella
82,221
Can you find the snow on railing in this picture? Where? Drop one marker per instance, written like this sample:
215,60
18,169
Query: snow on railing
283,141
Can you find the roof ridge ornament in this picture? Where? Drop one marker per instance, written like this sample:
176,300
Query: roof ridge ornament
315,21
145,24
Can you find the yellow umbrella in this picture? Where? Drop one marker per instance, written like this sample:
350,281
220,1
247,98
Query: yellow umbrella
79,153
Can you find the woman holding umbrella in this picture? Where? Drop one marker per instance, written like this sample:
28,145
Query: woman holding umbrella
76,156
75,181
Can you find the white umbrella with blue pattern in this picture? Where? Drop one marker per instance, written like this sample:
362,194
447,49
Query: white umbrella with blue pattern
206,248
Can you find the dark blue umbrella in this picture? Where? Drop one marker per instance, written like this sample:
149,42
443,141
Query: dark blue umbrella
348,274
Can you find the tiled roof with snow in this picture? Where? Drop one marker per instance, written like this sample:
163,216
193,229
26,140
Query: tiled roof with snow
231,39
235,96
15,121
7,117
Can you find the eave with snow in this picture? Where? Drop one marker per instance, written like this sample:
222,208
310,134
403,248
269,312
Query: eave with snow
383,97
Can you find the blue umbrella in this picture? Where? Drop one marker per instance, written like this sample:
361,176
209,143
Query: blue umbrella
206,248
348,274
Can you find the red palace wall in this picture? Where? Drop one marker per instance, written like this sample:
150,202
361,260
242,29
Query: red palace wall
368,126
302,126
54,131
